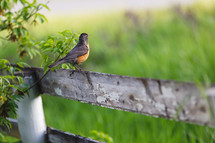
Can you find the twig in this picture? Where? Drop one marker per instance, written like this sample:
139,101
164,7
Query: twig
34,12
41,77
36,82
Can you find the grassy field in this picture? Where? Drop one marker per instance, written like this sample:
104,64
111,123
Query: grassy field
176,44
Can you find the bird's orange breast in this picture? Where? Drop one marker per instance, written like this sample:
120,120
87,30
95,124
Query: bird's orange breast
83,58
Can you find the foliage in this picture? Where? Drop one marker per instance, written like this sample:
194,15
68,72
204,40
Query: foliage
15,24
100,136
11,91
57,46
2,137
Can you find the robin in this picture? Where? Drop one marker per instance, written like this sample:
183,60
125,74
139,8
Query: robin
77,55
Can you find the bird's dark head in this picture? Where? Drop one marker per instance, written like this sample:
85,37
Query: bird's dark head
83,38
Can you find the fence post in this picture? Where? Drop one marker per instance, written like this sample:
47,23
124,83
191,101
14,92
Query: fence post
31,120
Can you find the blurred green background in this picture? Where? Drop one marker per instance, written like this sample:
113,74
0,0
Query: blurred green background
176,43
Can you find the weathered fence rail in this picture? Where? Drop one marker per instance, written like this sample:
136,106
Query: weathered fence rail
52,135
159,98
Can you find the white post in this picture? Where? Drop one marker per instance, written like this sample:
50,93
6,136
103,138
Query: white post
31,120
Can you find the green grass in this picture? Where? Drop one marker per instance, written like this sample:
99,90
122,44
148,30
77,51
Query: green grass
123,127
161,44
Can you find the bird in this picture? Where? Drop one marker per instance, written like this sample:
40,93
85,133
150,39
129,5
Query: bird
77,55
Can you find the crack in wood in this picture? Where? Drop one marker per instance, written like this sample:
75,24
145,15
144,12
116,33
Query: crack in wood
159,87
71,73
166,111
89,79
148,91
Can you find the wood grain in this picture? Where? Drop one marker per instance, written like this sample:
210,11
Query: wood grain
158,98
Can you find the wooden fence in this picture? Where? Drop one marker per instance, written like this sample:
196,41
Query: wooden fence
180,101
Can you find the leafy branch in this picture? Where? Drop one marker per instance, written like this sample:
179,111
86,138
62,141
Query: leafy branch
14,23
11,88
55,47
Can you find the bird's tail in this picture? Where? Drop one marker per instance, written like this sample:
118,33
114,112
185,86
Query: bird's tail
56,63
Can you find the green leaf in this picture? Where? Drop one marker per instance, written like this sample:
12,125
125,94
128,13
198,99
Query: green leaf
23,64
30,54
4,87
3,95
37,7
24,86
55,50
66,33
16,97
26,16
23,2
20,64
48,48
9,13
2,137
5,79
15,1
33,51
37,52
18,69
23,31
1,81
3,63
3,27
34,2
59,43
12,70
20,79
45,69
65,66
45,6
5,121
4,4
16,31
18,16
41,17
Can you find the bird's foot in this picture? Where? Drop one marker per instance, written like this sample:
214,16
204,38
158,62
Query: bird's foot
78,68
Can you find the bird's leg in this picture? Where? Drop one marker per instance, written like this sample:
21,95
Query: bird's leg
77,67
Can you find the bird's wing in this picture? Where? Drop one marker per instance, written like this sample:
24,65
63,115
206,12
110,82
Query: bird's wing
77,51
